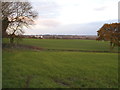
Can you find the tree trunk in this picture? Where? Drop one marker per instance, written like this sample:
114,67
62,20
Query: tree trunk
5,24
111,46
11,40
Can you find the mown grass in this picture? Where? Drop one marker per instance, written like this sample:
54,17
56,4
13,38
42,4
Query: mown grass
44,69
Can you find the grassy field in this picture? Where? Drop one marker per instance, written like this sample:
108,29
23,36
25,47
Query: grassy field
56,69
76,44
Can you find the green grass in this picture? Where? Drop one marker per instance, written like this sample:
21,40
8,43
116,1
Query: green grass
90,45
57,69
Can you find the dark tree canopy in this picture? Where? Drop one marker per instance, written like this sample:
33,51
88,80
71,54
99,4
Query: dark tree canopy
110,32
15,15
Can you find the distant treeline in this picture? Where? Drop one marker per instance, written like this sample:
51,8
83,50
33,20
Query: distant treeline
91,37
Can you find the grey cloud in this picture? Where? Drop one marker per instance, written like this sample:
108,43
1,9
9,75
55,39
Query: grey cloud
74,29
81,29
47,9
100,8
50,23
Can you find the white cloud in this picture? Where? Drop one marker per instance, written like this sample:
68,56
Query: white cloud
56,16
82,11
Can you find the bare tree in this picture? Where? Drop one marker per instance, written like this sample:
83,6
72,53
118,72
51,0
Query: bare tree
15,15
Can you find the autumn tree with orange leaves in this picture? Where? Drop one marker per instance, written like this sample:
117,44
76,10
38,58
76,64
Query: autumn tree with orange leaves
111,33
15,15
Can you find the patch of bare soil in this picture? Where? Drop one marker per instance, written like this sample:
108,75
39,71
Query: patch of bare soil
61,82
27,81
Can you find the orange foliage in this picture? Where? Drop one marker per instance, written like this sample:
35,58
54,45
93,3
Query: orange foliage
110,32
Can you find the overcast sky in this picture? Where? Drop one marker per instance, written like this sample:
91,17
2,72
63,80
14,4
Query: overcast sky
76,17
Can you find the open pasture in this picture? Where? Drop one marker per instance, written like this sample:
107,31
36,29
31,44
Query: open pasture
25,68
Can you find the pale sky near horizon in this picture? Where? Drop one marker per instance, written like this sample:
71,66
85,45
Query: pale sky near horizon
76,17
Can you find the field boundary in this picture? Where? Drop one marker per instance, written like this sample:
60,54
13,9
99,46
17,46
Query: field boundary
81,51
44,49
